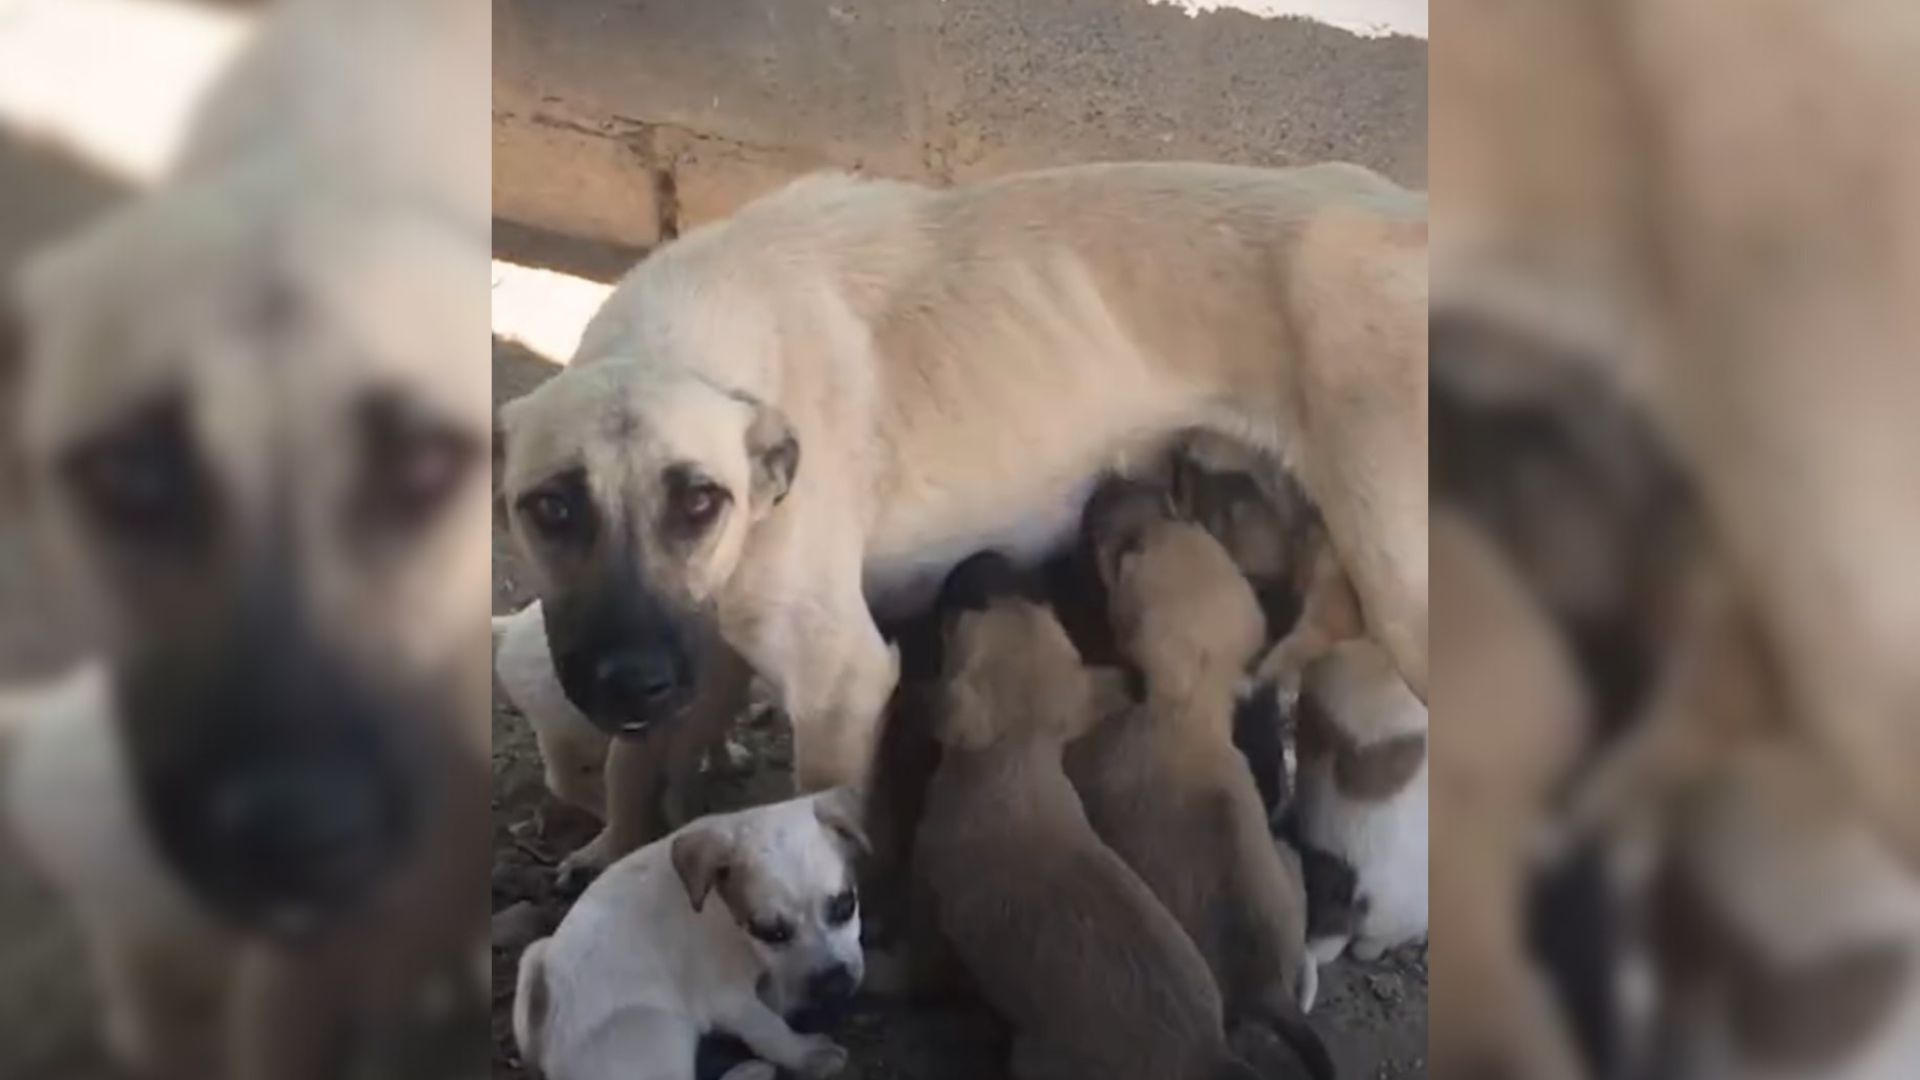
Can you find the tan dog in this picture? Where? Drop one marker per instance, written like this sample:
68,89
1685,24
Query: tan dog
833,397
251,429
1063,939
1165,787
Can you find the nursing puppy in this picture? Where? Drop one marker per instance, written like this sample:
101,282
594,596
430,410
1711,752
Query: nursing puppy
1061,937
657,770
1787,932
831,398
1166,788
249,426
732,925
1363,791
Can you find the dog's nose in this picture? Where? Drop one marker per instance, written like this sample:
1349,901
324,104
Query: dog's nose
635,681
832,986
299,837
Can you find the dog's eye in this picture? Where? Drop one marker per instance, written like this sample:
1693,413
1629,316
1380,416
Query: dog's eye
414,462
142,479
842,908
776,933
550,513
699,503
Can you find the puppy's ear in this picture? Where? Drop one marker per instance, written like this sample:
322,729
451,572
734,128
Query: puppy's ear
843,812
702,856
775,452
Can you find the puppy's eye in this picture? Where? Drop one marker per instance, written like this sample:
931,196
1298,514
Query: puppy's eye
776,933
698,503
842,908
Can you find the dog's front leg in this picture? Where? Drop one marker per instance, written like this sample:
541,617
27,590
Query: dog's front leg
636,769
768,1036
286,1021
833,671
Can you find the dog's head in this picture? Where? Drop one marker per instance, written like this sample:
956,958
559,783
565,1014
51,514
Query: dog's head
1009,668
632,491
1181,610
254,430
786,876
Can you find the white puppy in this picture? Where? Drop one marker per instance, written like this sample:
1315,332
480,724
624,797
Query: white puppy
1363,792
647,961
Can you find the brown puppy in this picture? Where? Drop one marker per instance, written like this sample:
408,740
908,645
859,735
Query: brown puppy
1064,941
1164,785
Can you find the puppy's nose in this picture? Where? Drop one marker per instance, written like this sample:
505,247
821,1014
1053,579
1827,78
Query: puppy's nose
635,681
832,986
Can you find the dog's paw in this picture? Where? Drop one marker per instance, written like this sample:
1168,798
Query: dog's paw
578,870
823,1059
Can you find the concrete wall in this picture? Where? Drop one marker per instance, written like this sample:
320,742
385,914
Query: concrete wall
629,121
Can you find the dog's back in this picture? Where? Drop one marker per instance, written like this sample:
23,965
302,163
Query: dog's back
1062,938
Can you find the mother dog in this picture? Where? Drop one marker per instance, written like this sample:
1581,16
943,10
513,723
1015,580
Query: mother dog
853,384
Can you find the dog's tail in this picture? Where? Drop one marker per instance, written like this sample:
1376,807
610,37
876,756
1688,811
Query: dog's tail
1280,1013
530,1005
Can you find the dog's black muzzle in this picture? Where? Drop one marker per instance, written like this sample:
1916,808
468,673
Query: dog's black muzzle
623,660
273,776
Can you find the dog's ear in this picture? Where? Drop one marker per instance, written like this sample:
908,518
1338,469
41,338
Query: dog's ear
702,857
774,450
843,812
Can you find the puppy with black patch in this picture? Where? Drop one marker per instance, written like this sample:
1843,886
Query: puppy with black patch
1363,792
731,925
1165,787
1064,940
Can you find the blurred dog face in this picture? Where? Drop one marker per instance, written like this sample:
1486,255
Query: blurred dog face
632,493
788,882
261,453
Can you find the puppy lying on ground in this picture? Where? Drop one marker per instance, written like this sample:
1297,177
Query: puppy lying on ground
733,924
1164,786
1363,791
1063,939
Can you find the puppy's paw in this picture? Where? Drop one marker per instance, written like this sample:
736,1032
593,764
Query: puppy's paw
823,1058
752,1070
